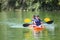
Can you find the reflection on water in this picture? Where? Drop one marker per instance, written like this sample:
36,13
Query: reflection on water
50,27
43,35
16,31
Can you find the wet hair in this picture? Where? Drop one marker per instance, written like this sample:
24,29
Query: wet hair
37,15
34,16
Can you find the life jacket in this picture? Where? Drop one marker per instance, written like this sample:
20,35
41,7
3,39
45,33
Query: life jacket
38,22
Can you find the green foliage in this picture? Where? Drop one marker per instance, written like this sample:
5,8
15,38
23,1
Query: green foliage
0,7
26,4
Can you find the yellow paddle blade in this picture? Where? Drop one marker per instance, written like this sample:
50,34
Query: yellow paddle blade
27,20
47,19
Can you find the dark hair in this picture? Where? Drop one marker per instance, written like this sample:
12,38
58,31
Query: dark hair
37,15
34,16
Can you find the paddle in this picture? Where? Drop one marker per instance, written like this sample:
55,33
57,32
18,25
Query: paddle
26,24
49,22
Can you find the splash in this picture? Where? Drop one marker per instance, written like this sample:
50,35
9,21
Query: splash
12,25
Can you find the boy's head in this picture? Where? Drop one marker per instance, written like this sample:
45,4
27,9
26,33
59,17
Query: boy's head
36,16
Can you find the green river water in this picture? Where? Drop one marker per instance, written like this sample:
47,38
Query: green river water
15,18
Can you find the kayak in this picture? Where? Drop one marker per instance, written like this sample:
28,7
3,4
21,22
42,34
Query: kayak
38,29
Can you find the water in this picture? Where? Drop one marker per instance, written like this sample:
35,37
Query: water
11,26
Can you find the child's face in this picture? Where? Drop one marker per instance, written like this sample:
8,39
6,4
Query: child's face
37,17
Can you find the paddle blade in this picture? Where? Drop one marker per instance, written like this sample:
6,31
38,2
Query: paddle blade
47,19
26,25
49,22
27,20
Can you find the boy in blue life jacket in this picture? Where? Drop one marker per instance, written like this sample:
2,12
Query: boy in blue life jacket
36,21
37,25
